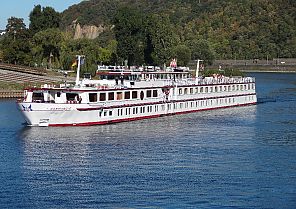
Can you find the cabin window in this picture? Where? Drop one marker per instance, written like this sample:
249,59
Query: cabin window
149,93
102,96
92,97
58,94
110,112
191,90
216,89
185,91
72,96
127,95
134,94
38,97
119,95
206,89
142,95
111,96
201,89
135,110
196,90
180,91
149,109
154,93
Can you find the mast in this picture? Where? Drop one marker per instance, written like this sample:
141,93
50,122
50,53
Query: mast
78,68
197,68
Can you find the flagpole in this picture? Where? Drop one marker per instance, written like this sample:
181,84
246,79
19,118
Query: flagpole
78,69
197,70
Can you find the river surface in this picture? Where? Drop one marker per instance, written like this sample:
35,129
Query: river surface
241,157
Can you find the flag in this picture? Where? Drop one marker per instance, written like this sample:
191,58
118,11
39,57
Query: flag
173,63
74,63
82,60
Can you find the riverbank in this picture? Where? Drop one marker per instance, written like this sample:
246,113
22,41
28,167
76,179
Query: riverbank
11,94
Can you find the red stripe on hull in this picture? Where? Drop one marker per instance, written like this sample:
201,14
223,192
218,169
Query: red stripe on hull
145,117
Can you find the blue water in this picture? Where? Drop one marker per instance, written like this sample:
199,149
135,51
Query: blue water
233,158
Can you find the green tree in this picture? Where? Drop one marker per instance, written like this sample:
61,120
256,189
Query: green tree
162,39
16,44
200,49
108,54
130,36
47,45
88,48
43,18
183,55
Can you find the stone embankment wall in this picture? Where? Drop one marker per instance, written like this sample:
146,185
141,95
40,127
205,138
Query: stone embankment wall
11,94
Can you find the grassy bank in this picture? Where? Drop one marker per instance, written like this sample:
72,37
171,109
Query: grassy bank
11,86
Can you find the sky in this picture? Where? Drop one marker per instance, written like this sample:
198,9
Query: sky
22,8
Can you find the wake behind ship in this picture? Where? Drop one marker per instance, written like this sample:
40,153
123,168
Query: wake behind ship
126,95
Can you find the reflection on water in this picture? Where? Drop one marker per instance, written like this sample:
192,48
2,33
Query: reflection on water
134,163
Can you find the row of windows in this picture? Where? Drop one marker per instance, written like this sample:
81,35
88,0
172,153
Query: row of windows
234,87
133,110
110,96
181,105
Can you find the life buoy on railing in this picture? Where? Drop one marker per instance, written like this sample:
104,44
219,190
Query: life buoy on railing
167,92
25,97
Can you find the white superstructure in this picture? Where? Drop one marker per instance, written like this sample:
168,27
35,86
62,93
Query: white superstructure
122,95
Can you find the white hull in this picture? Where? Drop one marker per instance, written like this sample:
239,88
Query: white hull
54,114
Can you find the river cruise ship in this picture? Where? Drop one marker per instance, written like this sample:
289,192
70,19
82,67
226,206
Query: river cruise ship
126,95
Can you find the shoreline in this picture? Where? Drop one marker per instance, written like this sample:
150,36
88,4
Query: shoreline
9,94
268,71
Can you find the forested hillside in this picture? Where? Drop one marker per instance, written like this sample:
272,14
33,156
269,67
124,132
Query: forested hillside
152,32
232,28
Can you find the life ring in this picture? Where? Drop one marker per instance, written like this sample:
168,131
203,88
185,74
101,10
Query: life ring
167,92
25,97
